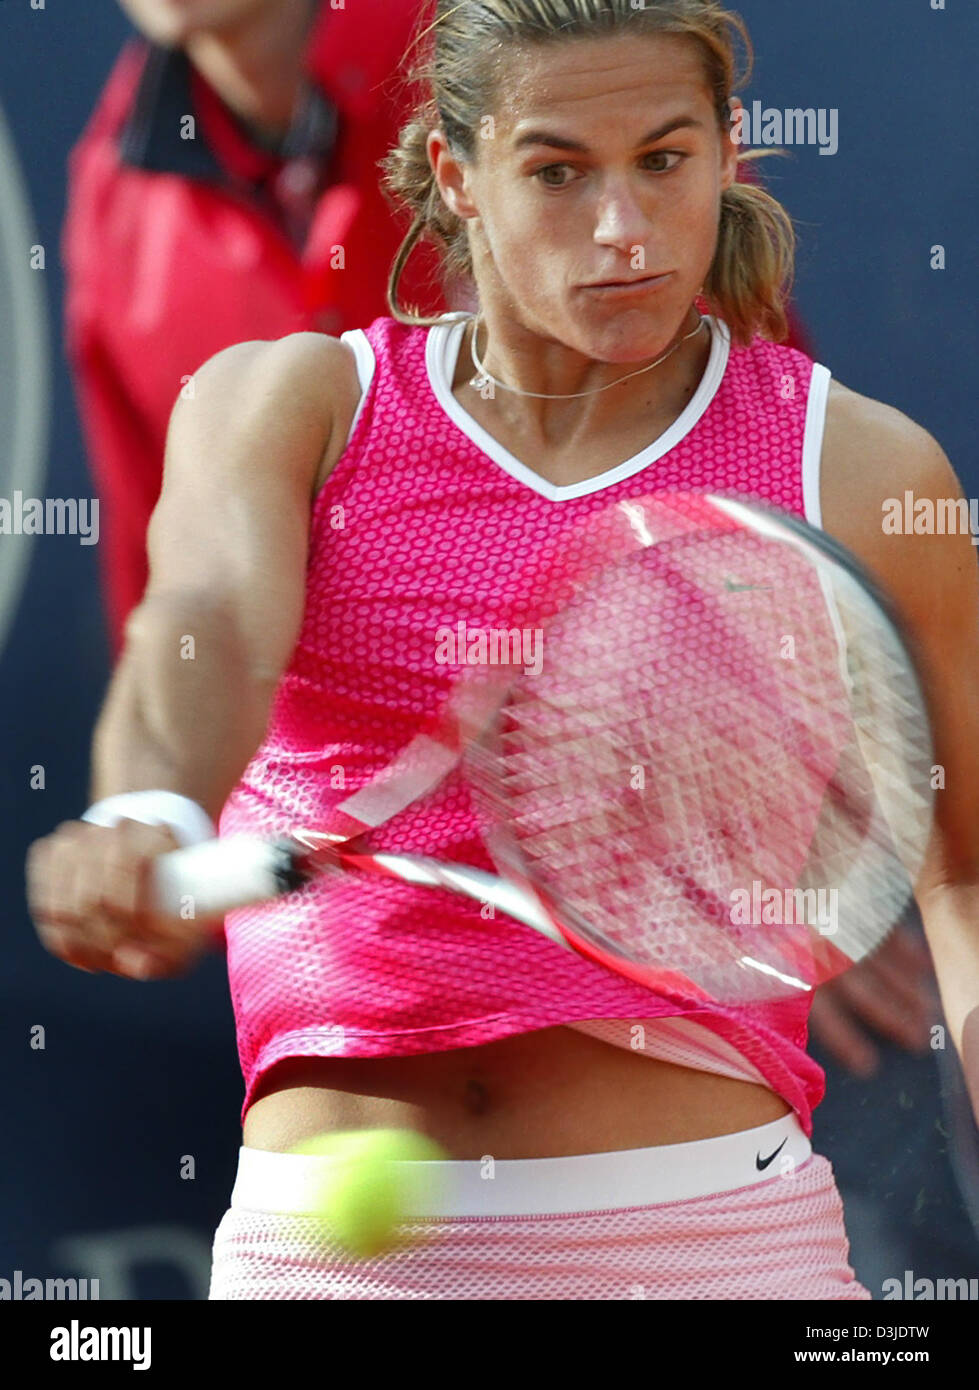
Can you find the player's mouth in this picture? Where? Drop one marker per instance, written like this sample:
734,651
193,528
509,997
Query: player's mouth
629,287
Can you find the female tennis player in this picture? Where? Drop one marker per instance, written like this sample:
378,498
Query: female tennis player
328,506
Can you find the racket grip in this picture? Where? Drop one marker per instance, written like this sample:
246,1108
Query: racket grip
219,875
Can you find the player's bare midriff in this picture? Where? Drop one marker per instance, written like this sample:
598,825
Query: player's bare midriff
537,1095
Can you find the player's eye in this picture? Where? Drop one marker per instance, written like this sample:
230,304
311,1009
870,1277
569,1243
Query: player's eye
551,169
676,155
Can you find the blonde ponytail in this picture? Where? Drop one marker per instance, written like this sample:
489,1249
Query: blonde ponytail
410,180
750,279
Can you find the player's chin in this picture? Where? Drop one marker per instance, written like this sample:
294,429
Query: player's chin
626,332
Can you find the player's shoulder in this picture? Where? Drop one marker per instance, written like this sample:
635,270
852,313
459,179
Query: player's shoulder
295,389
301,372
296,355
271,405
872,452
874,456
871,444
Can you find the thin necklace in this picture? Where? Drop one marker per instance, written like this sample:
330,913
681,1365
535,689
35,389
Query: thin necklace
483,377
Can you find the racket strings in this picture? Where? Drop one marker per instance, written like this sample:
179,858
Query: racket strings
698,735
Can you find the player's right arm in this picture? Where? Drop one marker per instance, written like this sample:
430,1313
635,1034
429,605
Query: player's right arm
189,701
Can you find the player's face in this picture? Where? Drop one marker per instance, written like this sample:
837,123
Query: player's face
171,22
551,221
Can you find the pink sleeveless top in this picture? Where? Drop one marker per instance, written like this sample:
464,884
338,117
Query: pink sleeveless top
425,522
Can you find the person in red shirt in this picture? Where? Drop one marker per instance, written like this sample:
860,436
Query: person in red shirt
224,189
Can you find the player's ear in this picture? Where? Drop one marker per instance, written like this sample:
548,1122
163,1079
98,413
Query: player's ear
731,145
450,176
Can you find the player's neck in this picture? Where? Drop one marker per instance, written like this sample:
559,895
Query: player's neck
256,65
656,397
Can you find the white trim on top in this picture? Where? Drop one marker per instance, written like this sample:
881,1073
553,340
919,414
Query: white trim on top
812,461
812,445
358,340
441,358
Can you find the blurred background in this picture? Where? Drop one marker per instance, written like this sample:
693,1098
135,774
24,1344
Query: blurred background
121,1129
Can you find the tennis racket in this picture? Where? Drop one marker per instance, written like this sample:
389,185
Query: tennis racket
718,784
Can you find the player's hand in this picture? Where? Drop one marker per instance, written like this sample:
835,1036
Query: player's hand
891,994
88,893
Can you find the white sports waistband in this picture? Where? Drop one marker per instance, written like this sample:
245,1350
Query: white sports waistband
287,1183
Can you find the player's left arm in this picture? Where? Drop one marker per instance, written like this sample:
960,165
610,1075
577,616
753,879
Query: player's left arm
871,455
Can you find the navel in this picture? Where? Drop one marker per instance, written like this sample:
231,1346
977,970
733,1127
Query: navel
476,1098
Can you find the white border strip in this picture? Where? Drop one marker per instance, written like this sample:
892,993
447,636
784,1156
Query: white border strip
358,341
289,1184
812,446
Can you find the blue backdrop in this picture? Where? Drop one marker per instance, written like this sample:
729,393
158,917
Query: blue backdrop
133,1078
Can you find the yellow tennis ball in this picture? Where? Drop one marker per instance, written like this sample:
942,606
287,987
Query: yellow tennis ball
363,1194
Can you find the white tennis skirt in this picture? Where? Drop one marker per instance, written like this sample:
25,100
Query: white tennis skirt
752,1215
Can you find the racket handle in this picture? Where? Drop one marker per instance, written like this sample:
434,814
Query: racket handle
219,875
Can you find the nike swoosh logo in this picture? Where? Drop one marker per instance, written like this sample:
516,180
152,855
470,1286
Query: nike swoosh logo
734,588
762,1163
